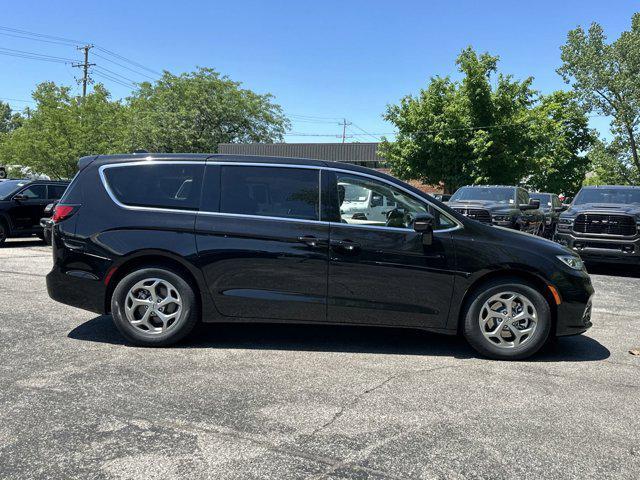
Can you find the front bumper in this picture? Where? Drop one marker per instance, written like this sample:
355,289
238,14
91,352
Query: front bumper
602,249
574,312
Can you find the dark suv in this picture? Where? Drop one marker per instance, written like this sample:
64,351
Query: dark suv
602,224
163,241
499,205
551,206
22,205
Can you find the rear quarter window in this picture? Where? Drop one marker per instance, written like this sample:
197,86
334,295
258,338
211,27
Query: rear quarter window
175,186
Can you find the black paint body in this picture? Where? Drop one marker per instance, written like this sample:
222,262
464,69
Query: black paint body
263,269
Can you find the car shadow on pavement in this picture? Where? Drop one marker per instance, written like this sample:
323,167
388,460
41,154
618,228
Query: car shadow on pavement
614,270
330,338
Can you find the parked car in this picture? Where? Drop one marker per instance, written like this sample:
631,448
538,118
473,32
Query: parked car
443,197
500,205
551,207
22,205
602,224
46,223
264,239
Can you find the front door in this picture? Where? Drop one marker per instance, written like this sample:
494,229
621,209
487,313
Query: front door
262,247
26,212
380,272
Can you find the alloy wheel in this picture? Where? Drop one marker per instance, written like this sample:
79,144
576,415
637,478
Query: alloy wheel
153,306
508,320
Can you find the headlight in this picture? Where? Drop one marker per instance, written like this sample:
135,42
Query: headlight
572,261
565,221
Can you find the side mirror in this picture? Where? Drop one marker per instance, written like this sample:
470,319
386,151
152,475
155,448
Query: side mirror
20,198
423,223
534,203
526,206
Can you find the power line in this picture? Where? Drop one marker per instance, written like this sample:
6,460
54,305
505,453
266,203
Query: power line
115,73
365,132
113,79
123,66
18,33
55,42
34,55
16,100
125,59
41,35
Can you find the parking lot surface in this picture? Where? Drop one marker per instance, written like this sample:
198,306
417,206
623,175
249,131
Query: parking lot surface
288,402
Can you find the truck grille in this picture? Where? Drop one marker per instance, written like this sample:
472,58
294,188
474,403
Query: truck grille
603,224
476,214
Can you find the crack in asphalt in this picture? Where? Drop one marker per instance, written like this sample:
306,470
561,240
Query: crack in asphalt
356,399
331,462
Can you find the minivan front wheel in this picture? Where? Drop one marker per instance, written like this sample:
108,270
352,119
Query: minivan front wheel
507,320
154,307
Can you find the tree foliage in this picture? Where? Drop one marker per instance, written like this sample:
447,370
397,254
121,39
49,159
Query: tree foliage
192,112
488,128
196,111
605,78
62,128
561,135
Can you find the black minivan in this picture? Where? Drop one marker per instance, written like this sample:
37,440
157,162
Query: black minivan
163,241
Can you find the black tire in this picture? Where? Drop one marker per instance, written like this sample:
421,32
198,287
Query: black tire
3,173
472,329
178,330
4,232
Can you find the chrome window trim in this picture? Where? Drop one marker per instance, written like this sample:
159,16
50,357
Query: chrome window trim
139,208
320,168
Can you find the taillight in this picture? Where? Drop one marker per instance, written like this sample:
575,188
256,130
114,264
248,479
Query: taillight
62,212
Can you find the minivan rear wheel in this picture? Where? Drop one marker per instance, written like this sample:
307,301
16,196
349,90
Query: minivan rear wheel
154,307
507,319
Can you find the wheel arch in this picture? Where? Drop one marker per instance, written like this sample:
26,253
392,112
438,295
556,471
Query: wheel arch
505,274
149,259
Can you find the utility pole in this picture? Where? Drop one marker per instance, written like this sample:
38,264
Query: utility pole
344,128
85,68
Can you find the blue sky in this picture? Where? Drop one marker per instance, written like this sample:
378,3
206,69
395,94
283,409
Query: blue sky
324,59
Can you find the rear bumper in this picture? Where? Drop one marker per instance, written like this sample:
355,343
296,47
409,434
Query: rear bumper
77,289
602,249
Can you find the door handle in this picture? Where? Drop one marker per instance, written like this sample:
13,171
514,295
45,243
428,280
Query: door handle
346,245
309,240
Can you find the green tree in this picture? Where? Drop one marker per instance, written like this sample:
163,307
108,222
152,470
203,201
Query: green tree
480,131
9,120
561,133
605,78
612,165
62,128
196,111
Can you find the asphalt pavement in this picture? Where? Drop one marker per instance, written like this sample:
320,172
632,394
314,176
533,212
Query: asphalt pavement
293,402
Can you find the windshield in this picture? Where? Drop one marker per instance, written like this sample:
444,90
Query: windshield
492,194
355,193
608,195
545,199
7,188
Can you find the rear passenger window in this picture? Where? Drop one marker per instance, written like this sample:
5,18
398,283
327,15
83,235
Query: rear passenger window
156,185
35,192
56,191
270,191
